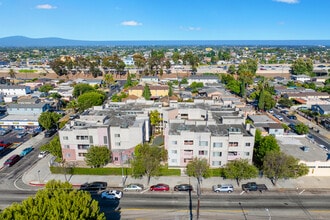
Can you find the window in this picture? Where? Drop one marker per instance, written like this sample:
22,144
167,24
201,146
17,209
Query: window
174,151
232,153
117,135
233,144
82,137
83,146
202,152
247,153
174,160
91,139
105,139
216,163
217,154
117,144
188,142
217,144
65,138
67,155
203,143
174,142
116,158
67,146
247,144
186,160
81,154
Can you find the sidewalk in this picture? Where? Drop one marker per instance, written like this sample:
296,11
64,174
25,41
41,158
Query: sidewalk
40,174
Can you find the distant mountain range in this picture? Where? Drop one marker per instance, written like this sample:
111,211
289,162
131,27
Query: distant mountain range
21,41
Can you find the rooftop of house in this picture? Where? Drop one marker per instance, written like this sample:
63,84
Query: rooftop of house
264,119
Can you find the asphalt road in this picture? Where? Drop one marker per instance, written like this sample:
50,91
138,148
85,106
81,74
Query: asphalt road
212,206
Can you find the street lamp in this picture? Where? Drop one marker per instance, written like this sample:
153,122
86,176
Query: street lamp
39,176
240,204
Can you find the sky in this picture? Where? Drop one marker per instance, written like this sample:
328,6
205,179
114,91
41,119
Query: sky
126,20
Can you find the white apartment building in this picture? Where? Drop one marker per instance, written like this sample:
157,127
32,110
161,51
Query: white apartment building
13,90
217,135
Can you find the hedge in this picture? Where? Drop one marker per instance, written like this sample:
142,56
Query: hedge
107,171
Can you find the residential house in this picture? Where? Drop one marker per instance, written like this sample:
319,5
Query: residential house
156,91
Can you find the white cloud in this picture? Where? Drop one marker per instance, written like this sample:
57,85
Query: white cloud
46,6
130,23
190,28
287,1
281,23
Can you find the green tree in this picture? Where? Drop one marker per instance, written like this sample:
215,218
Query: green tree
265,101
231,69
90,99
97,156
49,120
12,73
234,86
302,66
108,79
54,147
285,102
129,81
146,92
184,81
301,128
198,168
263,146
247,70
147,161
239,170
82,88
57,201
46,88
278,165
155,119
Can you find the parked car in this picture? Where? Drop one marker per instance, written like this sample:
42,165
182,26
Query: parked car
292,117
323,147
111,194
42,154
183,187
223,188
252,186
94,186
133,187
160,187
12,160
21,134
4,132
50,133
26,151
4,144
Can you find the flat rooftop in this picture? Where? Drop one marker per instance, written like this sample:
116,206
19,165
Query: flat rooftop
293,146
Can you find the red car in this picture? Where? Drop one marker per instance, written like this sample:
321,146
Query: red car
160,187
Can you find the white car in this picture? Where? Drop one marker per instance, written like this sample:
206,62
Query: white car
111,194
223,188
324,147
133,187
42,154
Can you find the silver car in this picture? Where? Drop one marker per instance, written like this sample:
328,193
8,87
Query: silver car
133,187
223,188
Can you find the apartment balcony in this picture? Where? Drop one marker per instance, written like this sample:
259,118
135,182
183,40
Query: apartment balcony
188,153
233,157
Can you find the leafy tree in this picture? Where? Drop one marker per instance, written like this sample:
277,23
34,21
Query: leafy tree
97,156
261,100
239,170
231,69
184,81
302,66
170,89
285,102
155,119
57,201
198,168
247,70
176,57
195,85
129,81
146,92
46,88
82,88
90,99
147,160
234,86
54,147
49,120
301,128
12,73
278,165
263,146
119,96
108,79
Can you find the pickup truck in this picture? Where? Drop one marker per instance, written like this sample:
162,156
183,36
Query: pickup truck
252,186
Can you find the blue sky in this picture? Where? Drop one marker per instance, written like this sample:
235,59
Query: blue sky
167,19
